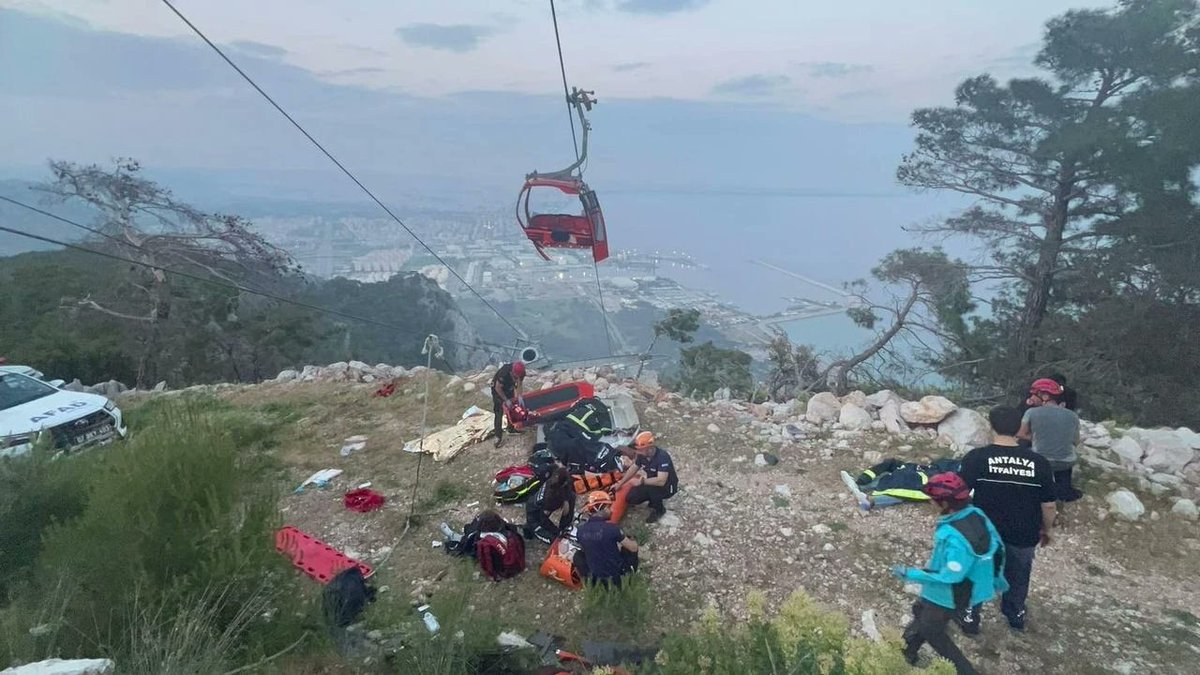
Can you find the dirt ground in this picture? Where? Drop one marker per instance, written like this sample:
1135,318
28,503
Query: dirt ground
1106,596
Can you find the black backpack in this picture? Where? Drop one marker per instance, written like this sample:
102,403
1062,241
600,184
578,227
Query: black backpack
346,597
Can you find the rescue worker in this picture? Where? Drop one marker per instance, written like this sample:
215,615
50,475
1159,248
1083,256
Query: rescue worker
574,439
506,388
608,553
1054,433
652,474
550,511
965,569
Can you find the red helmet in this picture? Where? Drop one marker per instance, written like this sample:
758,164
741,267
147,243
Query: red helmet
947,486
518,368
1046,386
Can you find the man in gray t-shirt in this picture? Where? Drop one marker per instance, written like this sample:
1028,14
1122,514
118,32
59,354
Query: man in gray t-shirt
1055,433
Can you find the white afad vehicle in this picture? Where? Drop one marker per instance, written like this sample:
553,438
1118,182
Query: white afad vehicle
32,409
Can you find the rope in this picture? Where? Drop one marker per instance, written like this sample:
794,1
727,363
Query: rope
431,348
566,91
603,309
341,166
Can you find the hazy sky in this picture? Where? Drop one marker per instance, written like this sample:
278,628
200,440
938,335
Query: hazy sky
865,60
732,128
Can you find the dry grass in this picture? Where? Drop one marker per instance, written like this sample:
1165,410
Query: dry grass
1104,593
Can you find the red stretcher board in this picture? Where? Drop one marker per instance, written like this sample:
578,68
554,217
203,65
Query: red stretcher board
546,405
314,557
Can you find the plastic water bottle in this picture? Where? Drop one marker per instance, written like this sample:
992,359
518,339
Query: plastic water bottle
431,622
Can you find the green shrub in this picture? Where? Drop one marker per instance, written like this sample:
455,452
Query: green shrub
35,493
802,639
170,561
618,611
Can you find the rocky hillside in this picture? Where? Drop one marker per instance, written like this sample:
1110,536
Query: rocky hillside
761,508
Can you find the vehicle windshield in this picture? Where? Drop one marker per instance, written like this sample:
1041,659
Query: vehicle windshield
17,389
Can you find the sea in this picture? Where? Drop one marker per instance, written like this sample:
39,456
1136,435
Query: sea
832,238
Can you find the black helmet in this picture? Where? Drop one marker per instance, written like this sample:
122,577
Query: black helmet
543,462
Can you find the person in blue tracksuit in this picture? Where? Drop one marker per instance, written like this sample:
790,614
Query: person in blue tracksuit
965,569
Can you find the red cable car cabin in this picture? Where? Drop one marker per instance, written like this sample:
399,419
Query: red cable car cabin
563,230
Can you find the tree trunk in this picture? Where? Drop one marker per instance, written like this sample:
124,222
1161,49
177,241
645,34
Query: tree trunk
842,369
1037,296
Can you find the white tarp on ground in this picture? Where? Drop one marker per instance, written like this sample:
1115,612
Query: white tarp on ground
63,667
447,443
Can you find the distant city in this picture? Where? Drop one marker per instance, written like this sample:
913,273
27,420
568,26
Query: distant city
488,251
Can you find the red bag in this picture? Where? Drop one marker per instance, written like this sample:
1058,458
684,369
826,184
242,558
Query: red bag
516,470
385,391
501,555
363,500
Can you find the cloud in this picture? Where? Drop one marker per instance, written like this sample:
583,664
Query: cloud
259,49
836,69
452,38
630,67
761,84
658,6
353,71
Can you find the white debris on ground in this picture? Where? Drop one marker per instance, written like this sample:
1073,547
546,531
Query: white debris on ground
64,667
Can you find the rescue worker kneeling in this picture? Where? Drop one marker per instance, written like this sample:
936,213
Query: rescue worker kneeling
551,509
608,554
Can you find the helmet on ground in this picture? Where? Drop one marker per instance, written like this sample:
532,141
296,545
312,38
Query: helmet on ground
1046,386
542,462
518,368
947,486
596,501
643,440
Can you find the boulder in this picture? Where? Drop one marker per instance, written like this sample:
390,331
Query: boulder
965,428
722,394
1166,452
1125,505
929,410
1188,437
713,429
1167,479
1129,450
893,422
74,385
823,407
879,398
287,376
857,398
854,418
1186,508
309,373
359,365
110,389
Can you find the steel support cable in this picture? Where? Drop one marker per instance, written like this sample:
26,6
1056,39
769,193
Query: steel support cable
562,68
338,164
225,284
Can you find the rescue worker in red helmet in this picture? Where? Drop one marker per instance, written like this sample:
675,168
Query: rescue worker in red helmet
1054,432
965,569
506,389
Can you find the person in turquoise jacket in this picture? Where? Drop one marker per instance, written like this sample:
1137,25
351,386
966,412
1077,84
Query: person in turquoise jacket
965,569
